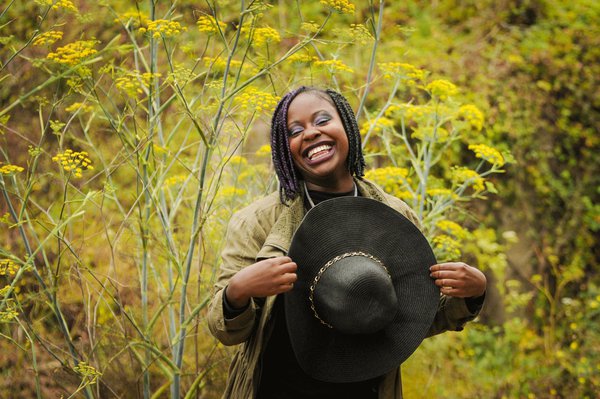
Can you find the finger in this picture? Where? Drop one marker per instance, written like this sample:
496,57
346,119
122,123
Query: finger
448,282
289,267
448,266
444,274
450,291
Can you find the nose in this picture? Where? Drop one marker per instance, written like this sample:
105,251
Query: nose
311,133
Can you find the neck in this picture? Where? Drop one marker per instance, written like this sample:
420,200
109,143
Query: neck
336,186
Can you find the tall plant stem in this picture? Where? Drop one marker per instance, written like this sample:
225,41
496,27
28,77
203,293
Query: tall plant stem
372,62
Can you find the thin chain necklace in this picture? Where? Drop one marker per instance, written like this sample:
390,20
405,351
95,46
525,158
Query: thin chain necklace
310,201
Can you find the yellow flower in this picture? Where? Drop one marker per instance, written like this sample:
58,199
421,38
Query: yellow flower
574,345
4,291
133,82
133,18
8,315
8,267
230,192
238,160
310,27
73,162
472,115
341,6
360,34
487,153
9,169
48,38
172,181
442,89
218,64
209,25
74,53
265,35
447,246
452,228
440,192
90,374
164,28
401,70
394,180
428,133
65,4
334,66
79,107
263,151
378,125
260,101
301,58
469,177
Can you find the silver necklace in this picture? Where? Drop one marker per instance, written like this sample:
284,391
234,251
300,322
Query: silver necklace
310,201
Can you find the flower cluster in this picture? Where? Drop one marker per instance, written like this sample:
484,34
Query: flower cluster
48,38
446,247
463,175
427,133
79,107
164,28
393,180
8,267
209,25
90,374
310,27
401,70
377,125
440,192
73,162
472,115
73,53
133,18
266,35
334,66
452,228
65,4
360,34
134,82
9,169
341,6
5,291
487,153
218,64
301,58
263,151
231,192
442,89
9,314
174,180
259,100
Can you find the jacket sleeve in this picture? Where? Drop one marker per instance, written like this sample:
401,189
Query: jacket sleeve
452,315
242,243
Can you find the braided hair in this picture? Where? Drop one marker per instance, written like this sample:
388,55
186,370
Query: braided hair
289,176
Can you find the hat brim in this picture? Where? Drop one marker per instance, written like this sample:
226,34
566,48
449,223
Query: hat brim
348,224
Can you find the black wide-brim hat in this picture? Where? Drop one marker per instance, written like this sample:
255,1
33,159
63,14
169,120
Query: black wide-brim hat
364,300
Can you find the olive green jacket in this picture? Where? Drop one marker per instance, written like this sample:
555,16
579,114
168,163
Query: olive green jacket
264,230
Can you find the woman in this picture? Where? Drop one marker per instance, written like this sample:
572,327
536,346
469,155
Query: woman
317,156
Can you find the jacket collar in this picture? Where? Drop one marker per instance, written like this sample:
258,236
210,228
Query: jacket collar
293,212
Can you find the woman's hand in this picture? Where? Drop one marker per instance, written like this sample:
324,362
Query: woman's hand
458,279
265,278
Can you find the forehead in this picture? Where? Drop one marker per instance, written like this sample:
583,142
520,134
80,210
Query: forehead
308,103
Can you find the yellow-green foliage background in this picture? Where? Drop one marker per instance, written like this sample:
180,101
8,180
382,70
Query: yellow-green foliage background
132,130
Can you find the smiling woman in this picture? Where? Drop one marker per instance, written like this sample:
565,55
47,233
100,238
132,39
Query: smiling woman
317,155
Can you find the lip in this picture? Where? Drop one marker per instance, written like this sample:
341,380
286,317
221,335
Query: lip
321,159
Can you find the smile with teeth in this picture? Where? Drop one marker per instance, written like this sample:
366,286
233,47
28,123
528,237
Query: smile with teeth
318,151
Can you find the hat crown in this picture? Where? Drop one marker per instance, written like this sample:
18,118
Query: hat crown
355,294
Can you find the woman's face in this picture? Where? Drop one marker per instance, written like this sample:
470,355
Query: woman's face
318,143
